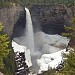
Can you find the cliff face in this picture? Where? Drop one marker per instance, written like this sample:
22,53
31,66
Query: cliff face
48,18
51,18
9,17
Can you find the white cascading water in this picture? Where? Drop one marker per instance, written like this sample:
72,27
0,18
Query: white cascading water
29,35
29,32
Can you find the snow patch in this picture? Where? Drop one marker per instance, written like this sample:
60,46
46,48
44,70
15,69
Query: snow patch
50,60
19,48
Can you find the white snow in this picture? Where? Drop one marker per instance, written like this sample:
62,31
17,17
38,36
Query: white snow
50,60
19,48
21,68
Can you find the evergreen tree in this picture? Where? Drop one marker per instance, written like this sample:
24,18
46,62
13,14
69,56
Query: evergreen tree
69,61
4,46
70,33
7,64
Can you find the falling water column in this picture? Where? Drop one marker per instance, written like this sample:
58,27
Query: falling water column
29,32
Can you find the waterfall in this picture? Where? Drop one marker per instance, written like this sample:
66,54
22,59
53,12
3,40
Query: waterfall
29,32
29,35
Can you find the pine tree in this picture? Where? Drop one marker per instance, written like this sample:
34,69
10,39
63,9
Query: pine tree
69,62
7,60
70,33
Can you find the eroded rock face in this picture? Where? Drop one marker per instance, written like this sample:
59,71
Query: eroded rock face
9,16
51,18
48,18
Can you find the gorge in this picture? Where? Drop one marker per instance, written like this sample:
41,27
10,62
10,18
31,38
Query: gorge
37,37
38,43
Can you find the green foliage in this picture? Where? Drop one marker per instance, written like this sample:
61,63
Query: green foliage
68,3
4,4
7,65
50,72
73,21
69,63
4,43
70,33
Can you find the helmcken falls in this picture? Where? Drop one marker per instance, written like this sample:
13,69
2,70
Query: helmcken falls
37,37
40,48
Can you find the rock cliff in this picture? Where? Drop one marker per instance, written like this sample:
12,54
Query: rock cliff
51,18
48,18
9,16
